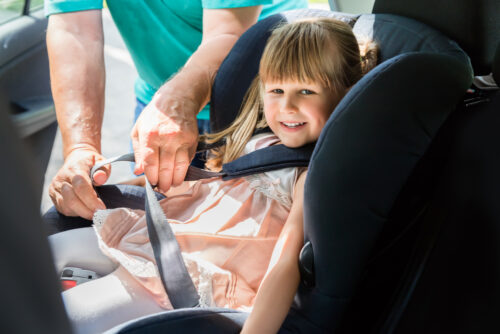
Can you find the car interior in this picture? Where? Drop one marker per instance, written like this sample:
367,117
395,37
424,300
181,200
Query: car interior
401,226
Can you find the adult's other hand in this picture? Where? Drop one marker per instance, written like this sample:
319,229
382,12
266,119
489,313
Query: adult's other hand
71,189
165,138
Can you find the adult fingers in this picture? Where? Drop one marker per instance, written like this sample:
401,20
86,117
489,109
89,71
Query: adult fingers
82,188
102,174
167,161
139,165
182,161
100,177
150,157
72,205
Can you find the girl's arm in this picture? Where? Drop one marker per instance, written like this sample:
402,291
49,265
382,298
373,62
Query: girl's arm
280,283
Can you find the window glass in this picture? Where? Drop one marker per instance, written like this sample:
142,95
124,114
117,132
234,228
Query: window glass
352,6
35,5
10,9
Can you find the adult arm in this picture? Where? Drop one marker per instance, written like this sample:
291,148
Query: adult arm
280,283
166,133
76,57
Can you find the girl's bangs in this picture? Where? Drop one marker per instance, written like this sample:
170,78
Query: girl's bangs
297,54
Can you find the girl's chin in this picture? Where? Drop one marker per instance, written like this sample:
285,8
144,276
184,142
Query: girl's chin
293,143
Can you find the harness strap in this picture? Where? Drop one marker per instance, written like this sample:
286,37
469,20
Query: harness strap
259,161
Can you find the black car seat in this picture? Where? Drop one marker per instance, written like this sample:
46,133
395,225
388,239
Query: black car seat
371,188
370,181
459,287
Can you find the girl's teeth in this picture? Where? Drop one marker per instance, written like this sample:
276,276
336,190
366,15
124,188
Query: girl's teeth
293,125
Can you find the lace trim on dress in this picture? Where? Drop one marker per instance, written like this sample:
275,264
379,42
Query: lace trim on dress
271,188
99,217
139,267
202,279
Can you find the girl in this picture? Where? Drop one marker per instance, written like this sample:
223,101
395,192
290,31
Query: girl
240,238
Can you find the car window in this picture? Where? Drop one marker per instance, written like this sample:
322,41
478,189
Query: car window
35,5
10,9
352,6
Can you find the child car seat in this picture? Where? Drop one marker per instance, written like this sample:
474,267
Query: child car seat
368,183
371,181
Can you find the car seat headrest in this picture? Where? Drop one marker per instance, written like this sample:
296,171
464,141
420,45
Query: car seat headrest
474,25
395,35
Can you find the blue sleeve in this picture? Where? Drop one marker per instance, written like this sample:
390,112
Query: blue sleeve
214,4
64,6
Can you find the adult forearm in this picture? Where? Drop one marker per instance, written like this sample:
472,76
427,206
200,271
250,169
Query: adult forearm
195,79
75,47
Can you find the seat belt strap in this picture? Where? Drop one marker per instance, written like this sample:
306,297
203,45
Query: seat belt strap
173,273
171,267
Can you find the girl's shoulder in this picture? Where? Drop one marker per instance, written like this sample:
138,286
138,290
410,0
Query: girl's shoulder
278,184
259,141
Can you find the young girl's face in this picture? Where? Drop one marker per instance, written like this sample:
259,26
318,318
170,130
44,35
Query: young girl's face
296,111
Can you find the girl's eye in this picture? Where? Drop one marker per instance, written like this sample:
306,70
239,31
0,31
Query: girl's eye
277,91
306,92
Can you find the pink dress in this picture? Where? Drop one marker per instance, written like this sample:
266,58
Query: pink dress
227,231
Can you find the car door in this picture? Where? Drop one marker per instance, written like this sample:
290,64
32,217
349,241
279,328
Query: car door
24,78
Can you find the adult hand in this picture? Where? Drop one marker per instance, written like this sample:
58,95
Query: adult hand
165,138
71,189
165,134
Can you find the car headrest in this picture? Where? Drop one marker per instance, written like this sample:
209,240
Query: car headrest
395,35
474,25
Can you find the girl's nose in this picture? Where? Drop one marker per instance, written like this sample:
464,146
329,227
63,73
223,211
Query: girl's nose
288,106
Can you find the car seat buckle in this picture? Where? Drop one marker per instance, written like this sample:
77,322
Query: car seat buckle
306,265
72,276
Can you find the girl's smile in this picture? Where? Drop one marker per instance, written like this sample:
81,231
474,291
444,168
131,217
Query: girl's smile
296,111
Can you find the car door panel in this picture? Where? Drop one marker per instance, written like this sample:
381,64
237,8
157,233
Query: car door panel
25,84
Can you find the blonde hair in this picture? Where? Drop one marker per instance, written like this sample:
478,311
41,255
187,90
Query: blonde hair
312,50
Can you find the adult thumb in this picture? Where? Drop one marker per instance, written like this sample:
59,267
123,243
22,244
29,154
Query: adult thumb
101,175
